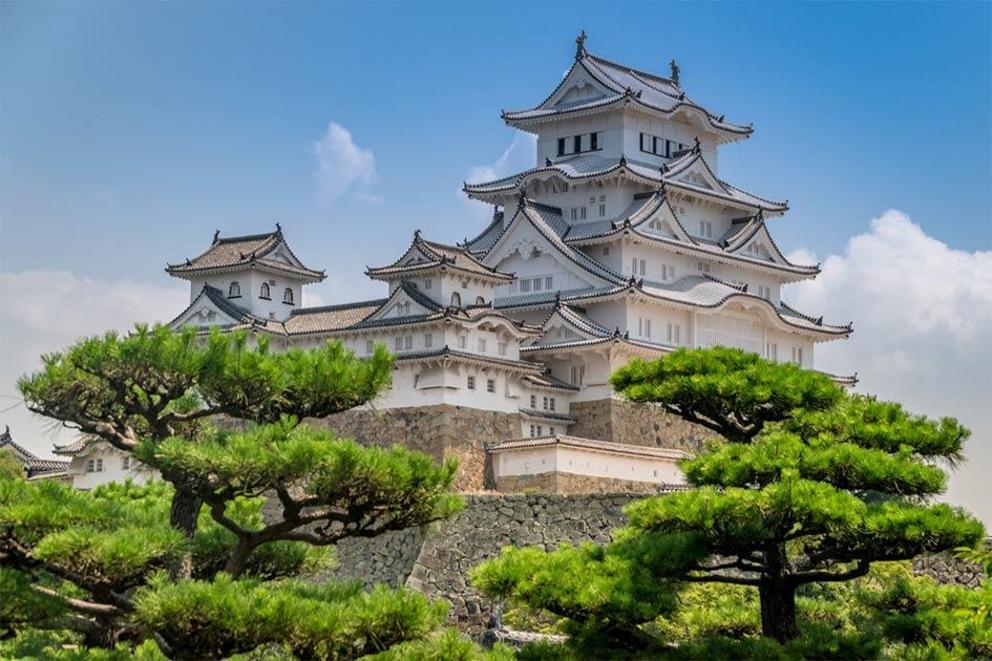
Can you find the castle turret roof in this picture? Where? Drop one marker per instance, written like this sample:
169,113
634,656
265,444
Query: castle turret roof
266,252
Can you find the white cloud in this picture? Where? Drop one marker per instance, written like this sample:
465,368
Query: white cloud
341,165
47,310
518,156
922,315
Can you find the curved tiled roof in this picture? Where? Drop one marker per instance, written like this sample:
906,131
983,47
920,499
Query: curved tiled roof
244,251
330,317
585,443
438,256
625,84
591,166
545,381
448,353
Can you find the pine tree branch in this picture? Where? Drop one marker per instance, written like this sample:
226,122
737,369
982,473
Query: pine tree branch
81,605
830,577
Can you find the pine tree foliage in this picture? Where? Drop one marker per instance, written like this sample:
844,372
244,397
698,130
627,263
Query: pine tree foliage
808,484
208,563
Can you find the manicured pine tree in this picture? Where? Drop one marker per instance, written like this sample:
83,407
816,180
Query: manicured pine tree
93,563
807,484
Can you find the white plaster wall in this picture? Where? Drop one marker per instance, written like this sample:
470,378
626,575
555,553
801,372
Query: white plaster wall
634,123
563,278
449,385
113,470
588,462
249,300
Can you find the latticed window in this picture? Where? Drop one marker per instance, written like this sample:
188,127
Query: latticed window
263,291
234,290
287,296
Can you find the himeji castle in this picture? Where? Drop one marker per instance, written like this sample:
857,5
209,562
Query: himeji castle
622,241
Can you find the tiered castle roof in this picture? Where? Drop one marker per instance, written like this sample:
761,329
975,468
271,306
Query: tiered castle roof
619,85
424,257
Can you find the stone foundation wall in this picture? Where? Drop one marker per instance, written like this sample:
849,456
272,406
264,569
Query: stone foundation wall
620,421
570,483
446,551
441,431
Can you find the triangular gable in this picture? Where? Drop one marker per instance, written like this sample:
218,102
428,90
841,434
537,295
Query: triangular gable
205,310
404,302
664,222
578,86
697,173
528,233
566,325
758,243
284,254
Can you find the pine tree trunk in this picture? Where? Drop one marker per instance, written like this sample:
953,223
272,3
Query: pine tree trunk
183,515
778,611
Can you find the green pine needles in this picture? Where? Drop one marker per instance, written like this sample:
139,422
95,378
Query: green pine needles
208,563
807,484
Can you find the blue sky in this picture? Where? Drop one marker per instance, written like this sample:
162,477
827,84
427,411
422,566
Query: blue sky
129,132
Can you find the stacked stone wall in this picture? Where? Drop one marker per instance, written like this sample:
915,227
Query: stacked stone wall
620,421
442,431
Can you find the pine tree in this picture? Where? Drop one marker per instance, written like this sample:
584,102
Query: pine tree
807,484
192,562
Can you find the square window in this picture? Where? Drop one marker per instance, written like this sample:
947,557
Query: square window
470,383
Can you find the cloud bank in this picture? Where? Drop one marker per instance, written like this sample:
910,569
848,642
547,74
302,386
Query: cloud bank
343,167
47,310
922,315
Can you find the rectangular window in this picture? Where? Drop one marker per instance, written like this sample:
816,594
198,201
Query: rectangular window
398,343
540,430
644,268
428,340
501,348
490,385
544,404
470,383
578,144
533,401
408,342
797,355
575,213
461,341
99,462
552,404
538,283
771,351
561,146
578,373
548,281
126,462
703,267
593,141
533,431
656,145
602,211
525,286
90,465
706,229
369,347
427,283
582,213
644,138
482,345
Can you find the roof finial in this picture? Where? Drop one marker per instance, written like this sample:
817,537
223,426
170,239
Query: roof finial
696,147
548,162
523,197
675,72
580,45
557,299
416,235
278,227
216,235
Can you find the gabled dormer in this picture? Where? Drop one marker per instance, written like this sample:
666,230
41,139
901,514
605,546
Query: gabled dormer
258,274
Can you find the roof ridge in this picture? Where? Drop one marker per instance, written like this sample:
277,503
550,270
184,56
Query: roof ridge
247,237
620,65
338,306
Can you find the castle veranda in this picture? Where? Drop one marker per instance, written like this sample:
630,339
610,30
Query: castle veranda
622,241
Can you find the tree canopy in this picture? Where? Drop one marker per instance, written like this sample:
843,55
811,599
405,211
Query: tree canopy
208,562
806,484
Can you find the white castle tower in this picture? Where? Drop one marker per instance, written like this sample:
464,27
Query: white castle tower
621,242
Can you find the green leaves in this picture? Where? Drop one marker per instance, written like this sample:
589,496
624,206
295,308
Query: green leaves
225,616
729,391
